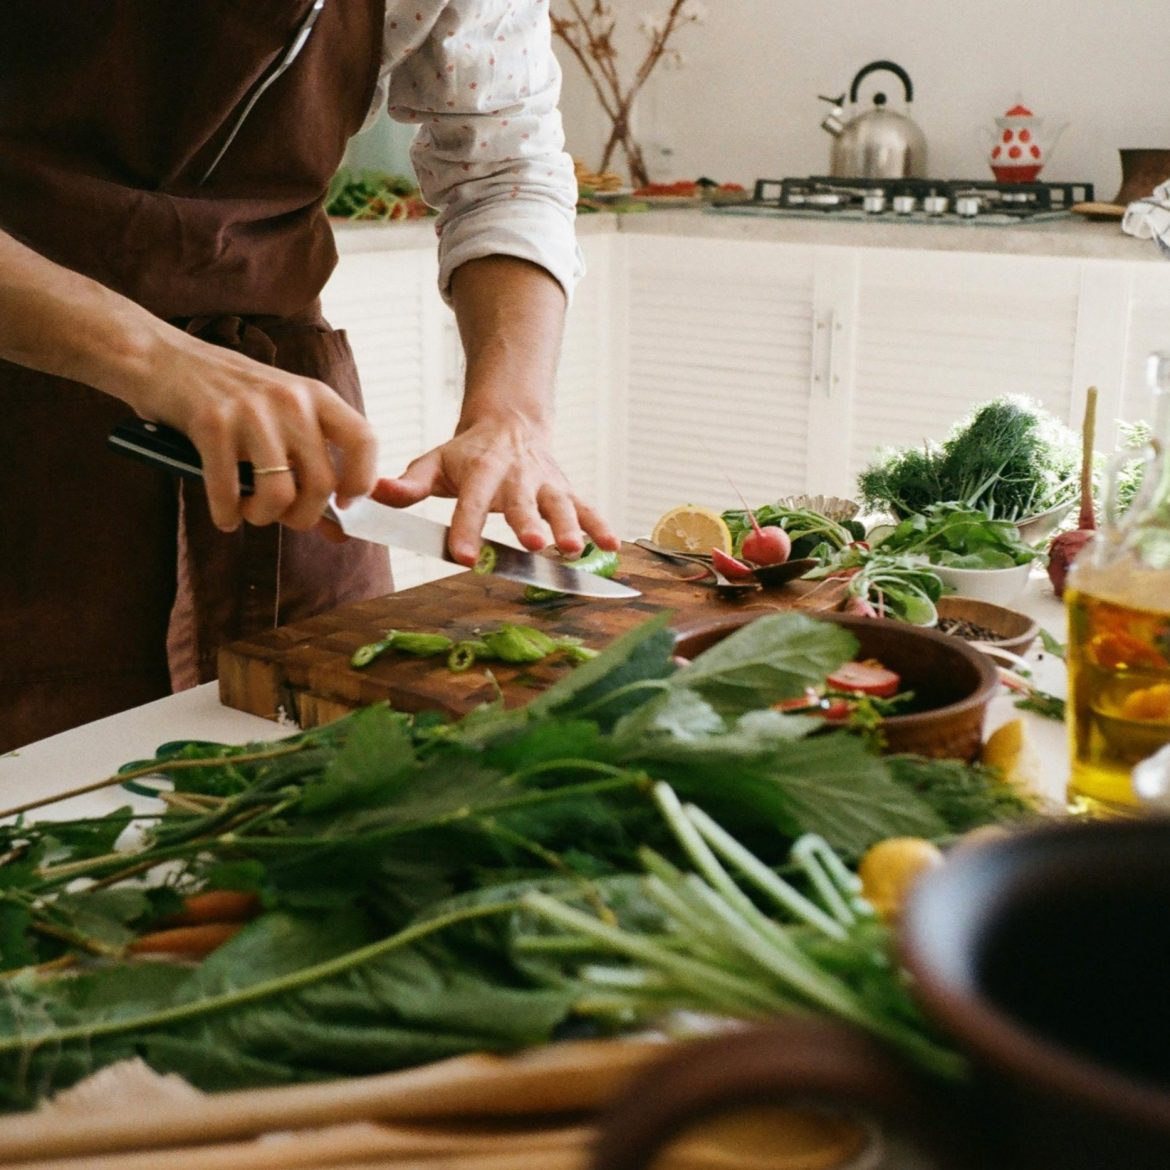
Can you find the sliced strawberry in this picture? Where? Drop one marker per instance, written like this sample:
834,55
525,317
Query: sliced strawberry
865,678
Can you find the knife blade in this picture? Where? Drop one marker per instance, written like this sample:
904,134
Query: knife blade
366,519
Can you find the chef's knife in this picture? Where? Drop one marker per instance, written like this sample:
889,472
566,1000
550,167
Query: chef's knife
366,519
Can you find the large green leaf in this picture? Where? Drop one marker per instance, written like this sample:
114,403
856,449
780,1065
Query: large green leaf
772,658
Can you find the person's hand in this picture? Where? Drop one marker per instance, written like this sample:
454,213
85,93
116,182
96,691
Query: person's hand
304,441
503,466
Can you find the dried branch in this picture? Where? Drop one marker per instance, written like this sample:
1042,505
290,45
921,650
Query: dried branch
588,32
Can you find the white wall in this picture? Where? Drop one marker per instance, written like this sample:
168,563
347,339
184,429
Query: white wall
745,104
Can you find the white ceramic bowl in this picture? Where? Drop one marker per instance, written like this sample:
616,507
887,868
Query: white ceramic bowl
999,586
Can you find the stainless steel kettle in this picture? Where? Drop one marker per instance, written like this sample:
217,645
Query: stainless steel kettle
877,143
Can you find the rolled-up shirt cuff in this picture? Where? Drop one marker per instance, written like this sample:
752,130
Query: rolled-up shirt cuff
531,231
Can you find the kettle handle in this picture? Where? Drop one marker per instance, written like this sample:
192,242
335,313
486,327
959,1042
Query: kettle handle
873,67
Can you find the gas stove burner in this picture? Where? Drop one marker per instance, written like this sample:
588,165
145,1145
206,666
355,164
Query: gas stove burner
915,200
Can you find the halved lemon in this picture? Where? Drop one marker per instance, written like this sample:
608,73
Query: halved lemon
1010,749
692,528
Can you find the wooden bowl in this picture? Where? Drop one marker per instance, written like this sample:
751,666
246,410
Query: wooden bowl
952,682
1014,631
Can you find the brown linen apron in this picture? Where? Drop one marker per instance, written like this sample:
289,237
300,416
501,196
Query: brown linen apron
111,112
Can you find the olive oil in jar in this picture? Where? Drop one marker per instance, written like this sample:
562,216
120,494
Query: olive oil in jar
1119,682
1118,604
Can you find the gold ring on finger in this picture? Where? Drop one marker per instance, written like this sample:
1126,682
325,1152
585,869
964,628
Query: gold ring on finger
269,470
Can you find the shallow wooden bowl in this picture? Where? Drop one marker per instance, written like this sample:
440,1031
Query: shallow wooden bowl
1013,630
953,683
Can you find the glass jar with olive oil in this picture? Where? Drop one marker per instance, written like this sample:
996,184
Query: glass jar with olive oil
1118,604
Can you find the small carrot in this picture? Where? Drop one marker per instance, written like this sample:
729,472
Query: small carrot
216,906
188,942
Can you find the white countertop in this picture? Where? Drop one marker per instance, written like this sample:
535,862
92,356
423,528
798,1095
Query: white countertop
89,753
1073,237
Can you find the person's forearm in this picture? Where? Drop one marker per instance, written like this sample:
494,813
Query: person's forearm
232,407
59,322
511,318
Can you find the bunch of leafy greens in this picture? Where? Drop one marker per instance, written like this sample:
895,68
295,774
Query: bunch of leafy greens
374,195
401,862
893,585
1010,459
812,533
959,537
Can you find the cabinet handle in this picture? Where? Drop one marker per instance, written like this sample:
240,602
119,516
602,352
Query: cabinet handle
829,327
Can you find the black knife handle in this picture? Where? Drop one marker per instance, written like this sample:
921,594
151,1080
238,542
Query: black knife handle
163,446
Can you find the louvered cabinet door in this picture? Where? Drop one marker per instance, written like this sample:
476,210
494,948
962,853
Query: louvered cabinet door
586,388
1147,330
388,304
403,341
939,333
718,365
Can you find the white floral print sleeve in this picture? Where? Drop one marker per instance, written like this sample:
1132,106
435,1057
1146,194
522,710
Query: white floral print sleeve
481,80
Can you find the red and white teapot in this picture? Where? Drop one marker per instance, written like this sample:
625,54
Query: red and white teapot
1020,146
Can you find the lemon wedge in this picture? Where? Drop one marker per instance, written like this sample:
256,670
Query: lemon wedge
692,528
1009,749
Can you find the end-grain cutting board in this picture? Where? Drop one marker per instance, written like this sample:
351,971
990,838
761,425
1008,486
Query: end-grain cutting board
302,671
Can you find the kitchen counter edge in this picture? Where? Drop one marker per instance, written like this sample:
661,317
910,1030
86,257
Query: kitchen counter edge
1074,238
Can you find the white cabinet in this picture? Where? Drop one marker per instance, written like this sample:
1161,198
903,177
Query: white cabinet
938,333
402,337
718,361
785,367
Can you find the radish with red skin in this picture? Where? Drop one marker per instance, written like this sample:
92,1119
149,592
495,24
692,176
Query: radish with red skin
865,678
732,569
858,606
765,546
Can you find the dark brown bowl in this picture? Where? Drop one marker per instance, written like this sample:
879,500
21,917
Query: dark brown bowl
953,683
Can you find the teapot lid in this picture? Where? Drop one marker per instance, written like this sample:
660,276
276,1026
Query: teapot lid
1019,111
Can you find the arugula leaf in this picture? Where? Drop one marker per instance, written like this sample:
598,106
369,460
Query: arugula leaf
378,756
827,784
773,658
615,682
679,714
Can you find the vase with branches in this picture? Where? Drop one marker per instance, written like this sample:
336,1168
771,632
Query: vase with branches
589,29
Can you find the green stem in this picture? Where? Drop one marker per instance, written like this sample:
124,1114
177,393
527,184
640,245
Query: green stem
709,983
761,876
265,989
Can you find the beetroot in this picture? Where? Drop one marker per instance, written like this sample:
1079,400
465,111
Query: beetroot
1064,549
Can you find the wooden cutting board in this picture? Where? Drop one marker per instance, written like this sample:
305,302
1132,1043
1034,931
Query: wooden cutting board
301,671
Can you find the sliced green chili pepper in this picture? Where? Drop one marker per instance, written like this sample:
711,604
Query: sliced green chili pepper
421,645
486,561
574,651
409,642
463,654
518,644
598,561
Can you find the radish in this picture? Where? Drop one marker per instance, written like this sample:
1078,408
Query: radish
765,546
732,569
761,546
858,606
865,678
